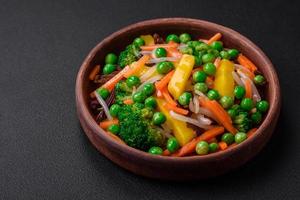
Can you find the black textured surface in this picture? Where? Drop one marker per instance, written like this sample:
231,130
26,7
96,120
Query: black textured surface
45,155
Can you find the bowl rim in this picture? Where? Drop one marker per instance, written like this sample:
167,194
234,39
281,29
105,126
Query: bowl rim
84,112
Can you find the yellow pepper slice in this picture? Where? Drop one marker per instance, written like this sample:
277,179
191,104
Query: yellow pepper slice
224,82
149,40
181,75
180,130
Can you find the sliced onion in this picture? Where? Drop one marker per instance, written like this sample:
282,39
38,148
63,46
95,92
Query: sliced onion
203,119
158,60
196,103
237,78
151,80
203,40
166,130
255,94
207,113
148,73
191,106
190,120
104,105
182,46
201,94
241,67
146,52
241,74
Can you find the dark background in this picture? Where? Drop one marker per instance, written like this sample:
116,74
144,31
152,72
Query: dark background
44,154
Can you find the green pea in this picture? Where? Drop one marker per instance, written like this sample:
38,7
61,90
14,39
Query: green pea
103,92
187,50
199,76
202,87
202,47
232,113
139,42
158,118
247,104
239,92
172,37
226,101
213,147
224,55
217,45
114,110
233,53
111,58
160,52
262,106
109,68
256,117
164,67
198,60
172,144
149,89
185,98
209,68
139,97
155,150
114,128
240,137
202,148
151,102
206,58
185,37
213,94
195,43
133,81
228,138
259,80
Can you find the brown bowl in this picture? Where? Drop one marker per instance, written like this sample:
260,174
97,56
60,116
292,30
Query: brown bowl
172,168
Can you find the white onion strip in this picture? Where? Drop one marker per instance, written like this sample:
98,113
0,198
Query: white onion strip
203,119
207,113
148,73
190,120
201,94
166,130
151,80
158,60
241,67
255,94
192,106
146,52
237,78
104,105
196,103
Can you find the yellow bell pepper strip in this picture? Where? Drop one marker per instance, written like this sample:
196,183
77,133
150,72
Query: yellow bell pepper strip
149,40
181,132
181,75
224,82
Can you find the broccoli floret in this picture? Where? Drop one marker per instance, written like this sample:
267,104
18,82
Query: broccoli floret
242,122
122,92
129,55
137,131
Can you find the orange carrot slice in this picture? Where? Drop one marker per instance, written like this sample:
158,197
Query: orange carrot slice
214,38
168,97
105,124
248,88
176,109
164,81
223,145
139,64
128,101
114,80
243,60
190,146
94,72
166,46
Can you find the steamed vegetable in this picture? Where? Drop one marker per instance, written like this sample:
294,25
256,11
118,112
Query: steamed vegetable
224,82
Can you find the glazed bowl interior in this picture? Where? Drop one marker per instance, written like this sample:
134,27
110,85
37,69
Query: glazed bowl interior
198,29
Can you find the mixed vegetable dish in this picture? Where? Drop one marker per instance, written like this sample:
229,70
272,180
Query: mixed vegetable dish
178,96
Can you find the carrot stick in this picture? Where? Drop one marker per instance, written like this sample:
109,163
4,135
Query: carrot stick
250,74
223,145
243,60
114,80
221,115
214,38
168,97
139,64
128,101
116,138
164,81
94,72
173,52
166,152
190,146
248,88
105,124
251,132
217,62
166,46
176,109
